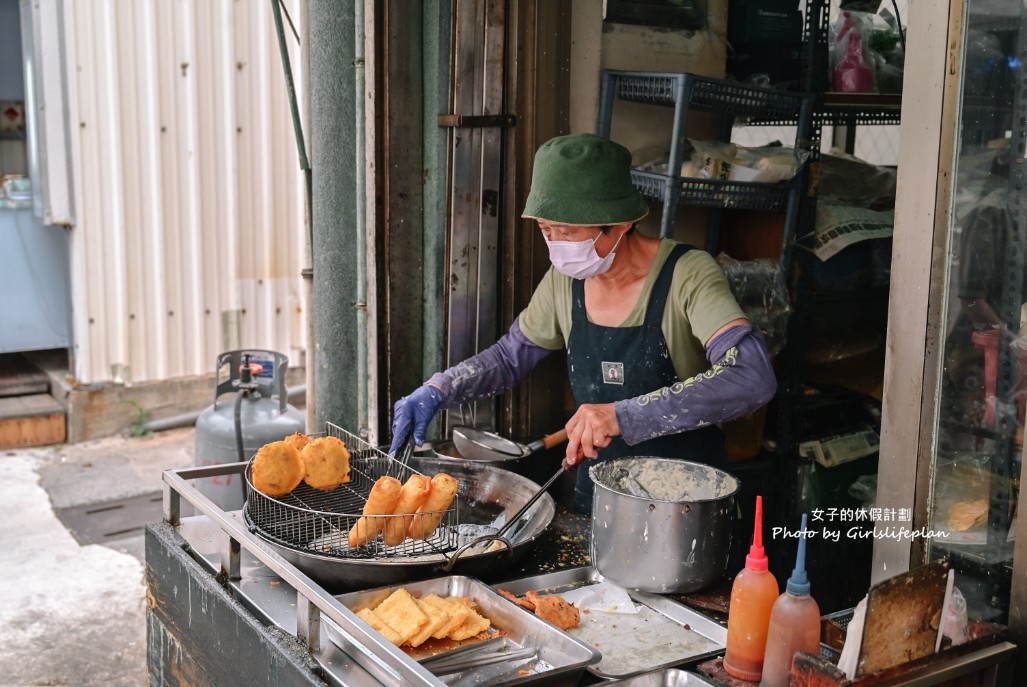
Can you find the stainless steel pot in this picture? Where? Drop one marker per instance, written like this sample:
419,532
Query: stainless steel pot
485,493
677,541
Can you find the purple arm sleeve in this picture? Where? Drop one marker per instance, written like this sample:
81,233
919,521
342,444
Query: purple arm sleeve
739,381
493,371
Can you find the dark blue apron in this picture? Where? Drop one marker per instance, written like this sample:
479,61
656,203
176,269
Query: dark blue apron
608,364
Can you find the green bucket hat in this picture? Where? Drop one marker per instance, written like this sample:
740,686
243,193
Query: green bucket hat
583,180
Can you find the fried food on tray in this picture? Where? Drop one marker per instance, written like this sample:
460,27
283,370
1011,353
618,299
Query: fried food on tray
401,612
381,501
436,619
473,625
966,514
375,621
555,610
405,619
327,462
524,603
443,490
297,441
277,469
411,497
457,614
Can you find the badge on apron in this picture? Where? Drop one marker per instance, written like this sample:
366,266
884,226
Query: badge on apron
613,373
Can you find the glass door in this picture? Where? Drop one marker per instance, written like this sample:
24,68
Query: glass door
980,393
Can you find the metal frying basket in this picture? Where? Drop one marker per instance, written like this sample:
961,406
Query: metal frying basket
318,522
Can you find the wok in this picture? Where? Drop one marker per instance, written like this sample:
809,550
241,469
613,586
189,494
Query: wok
485,493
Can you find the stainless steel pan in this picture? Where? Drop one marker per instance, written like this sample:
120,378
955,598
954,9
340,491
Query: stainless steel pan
489,496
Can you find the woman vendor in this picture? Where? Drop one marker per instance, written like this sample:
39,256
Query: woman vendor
658,350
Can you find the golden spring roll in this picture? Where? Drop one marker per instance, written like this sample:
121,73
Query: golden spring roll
411,497
381,501
443,490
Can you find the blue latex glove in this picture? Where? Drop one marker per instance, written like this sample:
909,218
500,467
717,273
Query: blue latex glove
416,411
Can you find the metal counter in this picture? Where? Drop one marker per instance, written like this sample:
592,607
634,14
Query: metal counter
206,573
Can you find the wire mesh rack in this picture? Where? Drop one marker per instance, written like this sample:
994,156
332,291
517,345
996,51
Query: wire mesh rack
704,93
318,522
715,193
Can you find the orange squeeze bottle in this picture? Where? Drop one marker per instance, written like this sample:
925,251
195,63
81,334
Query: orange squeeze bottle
794,622
752,597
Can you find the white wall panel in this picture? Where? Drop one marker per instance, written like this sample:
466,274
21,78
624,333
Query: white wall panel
190,203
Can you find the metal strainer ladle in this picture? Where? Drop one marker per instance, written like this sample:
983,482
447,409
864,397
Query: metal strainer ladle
477,444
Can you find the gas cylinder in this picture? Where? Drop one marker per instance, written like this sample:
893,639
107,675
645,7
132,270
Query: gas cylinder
233,429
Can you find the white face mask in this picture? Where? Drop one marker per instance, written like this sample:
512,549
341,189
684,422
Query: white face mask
579,259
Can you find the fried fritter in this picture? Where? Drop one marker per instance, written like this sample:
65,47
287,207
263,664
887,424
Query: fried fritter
297,441
277,469
443,491
966,514
518,600
412,496
327,463
555,610
381,501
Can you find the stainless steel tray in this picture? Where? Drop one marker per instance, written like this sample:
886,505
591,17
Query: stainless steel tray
552,657
670,677
664,633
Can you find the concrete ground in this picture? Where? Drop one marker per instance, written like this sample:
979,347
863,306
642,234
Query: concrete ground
73,597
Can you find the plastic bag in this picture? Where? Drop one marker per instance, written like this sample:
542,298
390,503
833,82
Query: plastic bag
849,659
765,164
888,45
955,618
761,292
847,180
854,72
864,490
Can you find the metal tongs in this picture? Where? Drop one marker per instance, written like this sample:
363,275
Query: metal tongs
474,656
498,536
405,450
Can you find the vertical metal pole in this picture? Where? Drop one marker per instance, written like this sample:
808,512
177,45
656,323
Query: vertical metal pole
231,556
360,230
438,21
335,225
308,623
308,271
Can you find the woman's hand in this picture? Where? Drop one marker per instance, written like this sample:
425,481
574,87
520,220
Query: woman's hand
589,430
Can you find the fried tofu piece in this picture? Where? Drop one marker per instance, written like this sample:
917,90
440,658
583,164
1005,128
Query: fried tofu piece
436,619
457,614
401,612
473,625
375,621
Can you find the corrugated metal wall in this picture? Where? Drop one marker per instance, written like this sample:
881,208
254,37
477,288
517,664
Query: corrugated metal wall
189,233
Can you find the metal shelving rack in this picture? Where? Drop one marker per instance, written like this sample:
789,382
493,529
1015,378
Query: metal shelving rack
689,92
